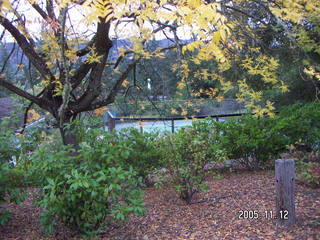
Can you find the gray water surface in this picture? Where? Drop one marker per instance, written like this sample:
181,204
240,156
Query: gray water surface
149,126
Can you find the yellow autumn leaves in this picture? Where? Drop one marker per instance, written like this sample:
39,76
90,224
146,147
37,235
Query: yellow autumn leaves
211,29
296,10
304,13
32,115
98,9
100,111
264,66
5,5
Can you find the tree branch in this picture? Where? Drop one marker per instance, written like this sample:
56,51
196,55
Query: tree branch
87,48
80,74
40,102
7,58
50,9
113,92
26,113
43,14
246,14
102,45
65,69
27,48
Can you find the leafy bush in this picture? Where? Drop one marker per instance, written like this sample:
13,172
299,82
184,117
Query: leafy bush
11,179
11,188
254,141
145,155
84,188
8,142
307,165
300,122
188,151
309,172
250,140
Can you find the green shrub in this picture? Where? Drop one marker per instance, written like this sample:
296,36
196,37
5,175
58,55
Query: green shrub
11,179
255,141
85,188
8,142
250,140
307,165
300,122
309,172
187,153
11,188
145,155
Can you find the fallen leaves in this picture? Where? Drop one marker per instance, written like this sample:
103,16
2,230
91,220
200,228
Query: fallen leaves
213,214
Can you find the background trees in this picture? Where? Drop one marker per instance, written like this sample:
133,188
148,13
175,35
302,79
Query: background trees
243,40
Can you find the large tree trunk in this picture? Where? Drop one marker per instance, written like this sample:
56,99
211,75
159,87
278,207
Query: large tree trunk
69,137
68,133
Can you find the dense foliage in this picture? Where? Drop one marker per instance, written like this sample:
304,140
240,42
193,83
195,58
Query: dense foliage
102,179
250,141
308,166
255,142
11,179
187,153
145,154
11,188
84,188
300,122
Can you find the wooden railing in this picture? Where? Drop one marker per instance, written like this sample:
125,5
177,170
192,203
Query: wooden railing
111,120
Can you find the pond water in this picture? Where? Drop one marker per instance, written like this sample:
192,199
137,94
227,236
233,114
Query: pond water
149,126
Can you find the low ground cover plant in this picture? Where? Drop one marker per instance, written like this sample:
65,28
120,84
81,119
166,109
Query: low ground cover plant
307,164
308,169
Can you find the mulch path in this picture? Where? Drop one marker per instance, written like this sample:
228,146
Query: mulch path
213,214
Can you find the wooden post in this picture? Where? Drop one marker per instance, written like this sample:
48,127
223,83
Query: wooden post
141,128
172,126
285,191
111,122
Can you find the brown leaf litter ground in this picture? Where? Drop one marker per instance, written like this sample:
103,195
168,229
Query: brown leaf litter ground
213,214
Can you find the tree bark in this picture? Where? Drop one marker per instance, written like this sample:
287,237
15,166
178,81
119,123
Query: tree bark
69,138
68,133
285,191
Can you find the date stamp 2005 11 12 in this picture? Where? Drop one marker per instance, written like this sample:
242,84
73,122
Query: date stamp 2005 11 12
253,214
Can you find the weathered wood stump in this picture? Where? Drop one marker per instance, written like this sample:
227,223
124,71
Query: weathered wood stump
285,191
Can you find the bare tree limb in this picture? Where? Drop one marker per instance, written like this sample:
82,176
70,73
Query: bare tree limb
27,48
7,58
65,69
25,117
43,14
102,45
50,9
40,102
113,92
80,74
87,48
